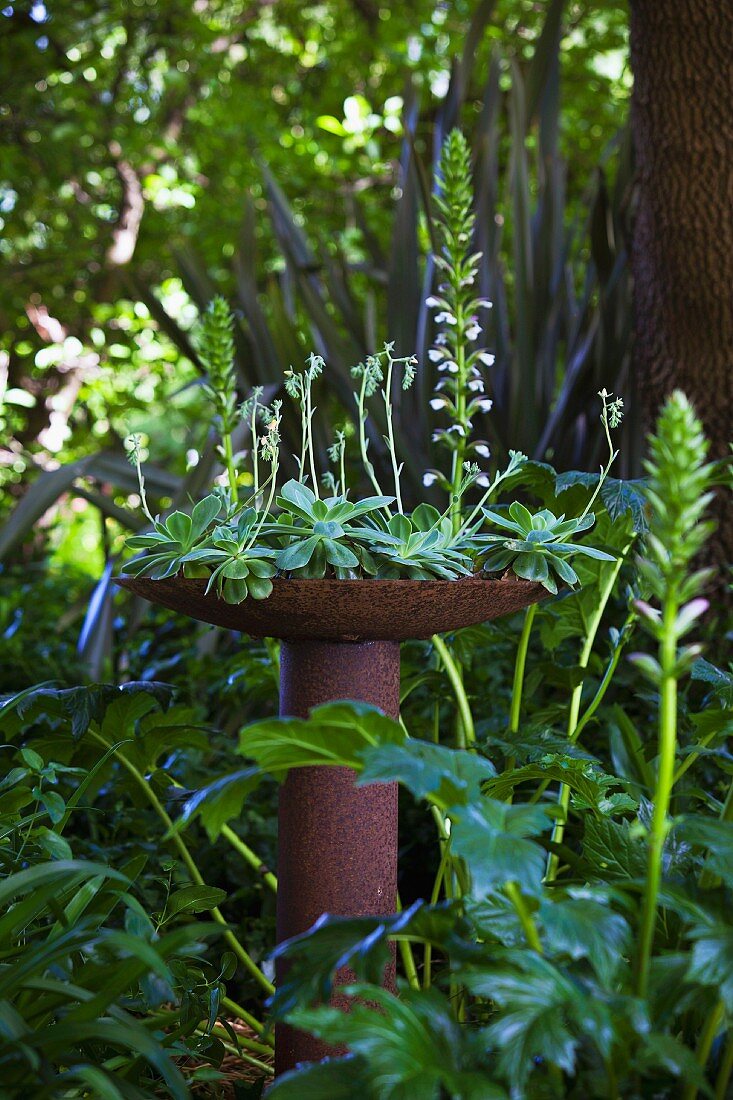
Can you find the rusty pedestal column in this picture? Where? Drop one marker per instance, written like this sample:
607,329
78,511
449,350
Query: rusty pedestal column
337,843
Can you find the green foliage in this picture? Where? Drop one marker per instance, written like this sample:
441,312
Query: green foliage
564,981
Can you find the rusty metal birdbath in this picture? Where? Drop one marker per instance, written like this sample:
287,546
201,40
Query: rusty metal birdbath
337,843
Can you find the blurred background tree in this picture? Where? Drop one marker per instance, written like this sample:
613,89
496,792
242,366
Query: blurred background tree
131,129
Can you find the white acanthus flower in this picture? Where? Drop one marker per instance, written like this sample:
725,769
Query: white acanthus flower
484,405
476,385
483,303
486,358
483,480
438,403
473,332
482,450
429,478
436,354
450,366
445,318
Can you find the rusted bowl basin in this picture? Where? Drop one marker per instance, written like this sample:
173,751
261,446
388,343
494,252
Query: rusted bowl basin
353,611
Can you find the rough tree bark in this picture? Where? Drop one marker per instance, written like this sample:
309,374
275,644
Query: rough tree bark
682,242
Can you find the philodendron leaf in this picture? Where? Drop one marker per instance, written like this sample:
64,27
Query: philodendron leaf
452,777
336,1078
542,1015
493,838
335,733
711,963
611,851
590,787
583,927
220,801
360,943
713,837
411,1043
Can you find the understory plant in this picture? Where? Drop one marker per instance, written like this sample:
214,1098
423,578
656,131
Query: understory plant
115,959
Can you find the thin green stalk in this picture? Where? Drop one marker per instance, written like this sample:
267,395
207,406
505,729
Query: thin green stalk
255,450
708,1034
231,471
247,1018
441,875
604,596
387,394
309,418
361,401
525,917
188,861
342,466
467,729
162,1017
515,707
663,792
725,1071
250,857
407,956
714,1021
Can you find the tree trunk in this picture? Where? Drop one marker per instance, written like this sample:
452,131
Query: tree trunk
682,241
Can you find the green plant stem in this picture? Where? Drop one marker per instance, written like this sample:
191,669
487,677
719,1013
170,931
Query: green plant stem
710,1029
407,956
725,1071
231,471
342,466
361,402
515,707
467,729
255,450
604,596
162,1017
387,394
663,792
442,873
190,865
247,1018
309,419
525,917
714,1021
250,857
460,451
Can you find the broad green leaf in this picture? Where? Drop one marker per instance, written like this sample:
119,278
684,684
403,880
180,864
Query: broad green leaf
590,786
582,927
194,899
611,851
335,734
493,839
336,1078
453,777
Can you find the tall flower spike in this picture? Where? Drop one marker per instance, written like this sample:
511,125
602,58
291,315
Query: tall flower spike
458,315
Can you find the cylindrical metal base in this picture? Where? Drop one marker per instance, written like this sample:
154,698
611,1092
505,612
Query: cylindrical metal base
337,843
